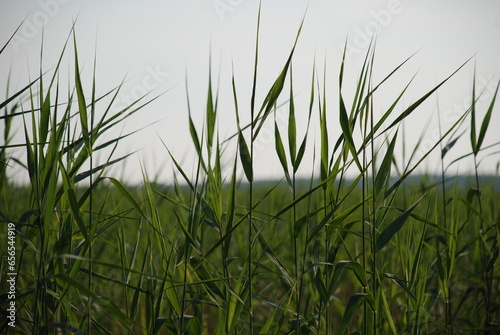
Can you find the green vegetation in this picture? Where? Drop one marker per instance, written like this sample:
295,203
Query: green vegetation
383,252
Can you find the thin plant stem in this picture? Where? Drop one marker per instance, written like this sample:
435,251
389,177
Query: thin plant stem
483,249
448,309
295,254
374,223
363,224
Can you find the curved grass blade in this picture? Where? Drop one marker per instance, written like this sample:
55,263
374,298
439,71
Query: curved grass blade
275,91
384,172
194,136
106,303
211,111
245,157
12,36
450,145
340,267
417,103
207,277
82,105
394,227
302,148
292,127
401,283
126,194
280,150
486,121
272,256
353,305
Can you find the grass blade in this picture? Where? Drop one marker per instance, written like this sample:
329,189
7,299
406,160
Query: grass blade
245,157
417,103
81,101
486,120
292,127
394,227
280,150
382,178
351,309
276,88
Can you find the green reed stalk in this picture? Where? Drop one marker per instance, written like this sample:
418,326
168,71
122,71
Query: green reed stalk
324,174
250,178
447,291
476,143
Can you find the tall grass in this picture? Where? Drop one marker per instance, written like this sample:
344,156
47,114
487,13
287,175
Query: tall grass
60,222
361,245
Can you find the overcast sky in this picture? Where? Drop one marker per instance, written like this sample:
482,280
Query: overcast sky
154,44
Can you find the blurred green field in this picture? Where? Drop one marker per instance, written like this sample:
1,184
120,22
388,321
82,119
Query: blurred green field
138,261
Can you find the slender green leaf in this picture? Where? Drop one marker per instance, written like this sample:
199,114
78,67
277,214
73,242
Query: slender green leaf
292,127
347,132
194,137
210,109
417,103
245,157
450,145
280,150
81,101
208,277
473,136
394,227
275,91
324,166
340,267
486,120
384,171
126,194
401,283
353,305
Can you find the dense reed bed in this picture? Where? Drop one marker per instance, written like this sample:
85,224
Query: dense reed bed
362,245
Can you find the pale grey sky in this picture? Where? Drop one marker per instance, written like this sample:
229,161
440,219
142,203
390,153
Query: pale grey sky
155,43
